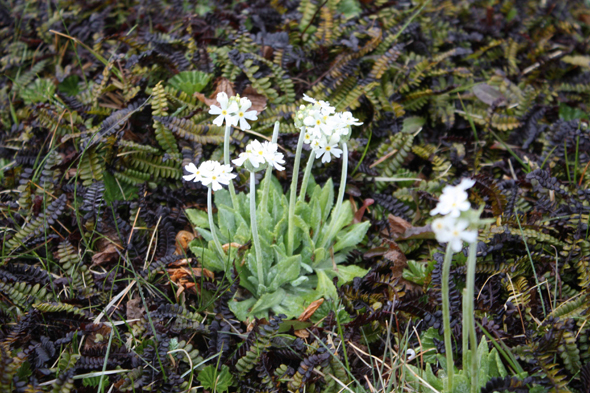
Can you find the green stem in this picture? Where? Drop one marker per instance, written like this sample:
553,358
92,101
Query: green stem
447,316
308,167
336,212
268,174
232,191
468,298
212,226
293,197
254,227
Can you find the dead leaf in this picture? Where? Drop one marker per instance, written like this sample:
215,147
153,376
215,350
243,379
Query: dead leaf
183,238
400,229
178,273
303,333
258,100
224,85
358,215
226,246
109,254
107,247
134,311
397,225
310,310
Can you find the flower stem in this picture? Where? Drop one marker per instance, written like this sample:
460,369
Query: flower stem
254,227
232,191
212,226
268,174
469,323
293,197
446,316
336,211
310,161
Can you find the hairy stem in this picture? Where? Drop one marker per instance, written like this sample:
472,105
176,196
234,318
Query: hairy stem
268,174
469,324
310,161
254,227
336,212
232,191
446,272
293,197
212,225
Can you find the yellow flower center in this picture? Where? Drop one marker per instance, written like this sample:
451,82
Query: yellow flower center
224,112
328,148
214,177
241,114
318,122
455,233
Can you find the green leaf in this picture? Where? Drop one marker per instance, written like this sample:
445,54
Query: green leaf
348,273
198,218
267,301
326,199
208,258
190,81
349,8
353,237
117,191
412,124
214,380
416,272
70,86
286,270
325,287
41,90
241,309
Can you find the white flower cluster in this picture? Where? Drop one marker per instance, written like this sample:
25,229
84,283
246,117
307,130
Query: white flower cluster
233,110
324,129
451,228
260,153
210,173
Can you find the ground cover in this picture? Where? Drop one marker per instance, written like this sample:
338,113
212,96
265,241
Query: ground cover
118,272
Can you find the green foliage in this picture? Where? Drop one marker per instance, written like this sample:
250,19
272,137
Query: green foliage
215,380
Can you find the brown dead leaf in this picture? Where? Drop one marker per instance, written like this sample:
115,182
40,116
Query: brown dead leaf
182,272
107,247
107,255
310,310
302,333
226,246
134,311
400,229
400,262
183,238
224,85
97,336
258,100
358,215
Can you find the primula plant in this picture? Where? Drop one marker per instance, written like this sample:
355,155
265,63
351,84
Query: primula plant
286,249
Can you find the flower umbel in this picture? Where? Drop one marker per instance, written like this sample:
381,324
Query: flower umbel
261,153
453,231
210,173
454,199
228,108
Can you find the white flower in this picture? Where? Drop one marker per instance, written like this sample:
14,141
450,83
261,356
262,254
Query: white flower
454,199
225,112
349,120
272,156
254,153
453,231
210,173
308,99
194,173
242,114
328,148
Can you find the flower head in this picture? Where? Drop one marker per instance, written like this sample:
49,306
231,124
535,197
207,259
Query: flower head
261,153
454,199
272,156
210,173
453,231
242,114
228,107
328,148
